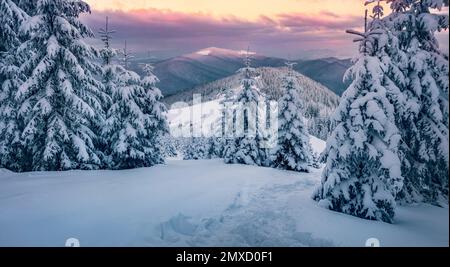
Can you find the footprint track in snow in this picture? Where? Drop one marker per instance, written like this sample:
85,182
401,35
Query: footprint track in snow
259,219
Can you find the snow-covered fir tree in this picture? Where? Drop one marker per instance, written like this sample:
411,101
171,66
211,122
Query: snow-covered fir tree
197,148
229,150
12,152
153,106
12,16
126,56
320,127
226,124
247,149
363,175
132,122
110,81
217,140
110,70
424,119
60,100
29,6
169,145
386,47
293,151
194,147
107,53
216,147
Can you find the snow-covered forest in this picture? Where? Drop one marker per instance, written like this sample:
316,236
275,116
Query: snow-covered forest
61,110
77,120
319,102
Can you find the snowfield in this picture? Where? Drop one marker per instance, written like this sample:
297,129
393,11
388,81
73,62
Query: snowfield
193,203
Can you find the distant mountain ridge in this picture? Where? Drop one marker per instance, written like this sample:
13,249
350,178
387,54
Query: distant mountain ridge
328,71
182,73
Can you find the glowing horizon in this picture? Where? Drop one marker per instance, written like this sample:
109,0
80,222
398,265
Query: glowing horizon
248,9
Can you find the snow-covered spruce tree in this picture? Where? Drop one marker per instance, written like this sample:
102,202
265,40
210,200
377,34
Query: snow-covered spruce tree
247,149
387,48
129,125
229,150
153,106
12,153
197,148
126,56
12,16
189,149
226,125
110,80
61,99
169,145
320,127
126,124
293,151
362,175
216,147
29,6
424,124
110,70
217,141
107,53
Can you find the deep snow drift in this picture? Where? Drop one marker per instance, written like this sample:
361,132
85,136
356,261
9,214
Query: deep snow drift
193,203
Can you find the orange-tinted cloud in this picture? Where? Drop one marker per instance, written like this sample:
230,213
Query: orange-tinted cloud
282,35
248,9
292,33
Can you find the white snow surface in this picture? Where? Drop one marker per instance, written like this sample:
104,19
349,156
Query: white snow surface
194,203
220,52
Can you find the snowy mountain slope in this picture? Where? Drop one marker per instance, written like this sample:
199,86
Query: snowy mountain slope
193,203
185,72
209,64
314,94
327,71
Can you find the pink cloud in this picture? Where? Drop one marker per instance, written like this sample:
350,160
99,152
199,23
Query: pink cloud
175,33
326,21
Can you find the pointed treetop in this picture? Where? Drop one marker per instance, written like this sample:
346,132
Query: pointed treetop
290,66
126,56
105,33
247,70
366,37
106,37
148,68
378,10
398,5
149,78
247,59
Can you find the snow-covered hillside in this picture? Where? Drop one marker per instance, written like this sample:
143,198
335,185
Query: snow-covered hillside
193,203
313,94
183,73
319,103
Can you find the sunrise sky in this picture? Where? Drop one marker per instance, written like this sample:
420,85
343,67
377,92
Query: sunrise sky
249,9
282,28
